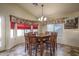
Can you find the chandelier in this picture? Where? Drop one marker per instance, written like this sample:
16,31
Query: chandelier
42,18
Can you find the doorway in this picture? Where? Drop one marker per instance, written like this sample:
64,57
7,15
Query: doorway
2,33
59,29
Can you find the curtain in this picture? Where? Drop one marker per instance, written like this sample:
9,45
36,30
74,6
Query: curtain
21,24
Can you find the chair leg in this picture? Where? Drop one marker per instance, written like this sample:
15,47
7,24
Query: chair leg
25,46
56,46
53,51
50,50
36,51
30,50
41,49
47,46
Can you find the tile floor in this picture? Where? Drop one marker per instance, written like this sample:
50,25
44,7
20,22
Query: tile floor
62,50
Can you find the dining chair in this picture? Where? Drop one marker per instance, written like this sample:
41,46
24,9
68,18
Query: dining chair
36,33
53,42
26,35
32,44
47,40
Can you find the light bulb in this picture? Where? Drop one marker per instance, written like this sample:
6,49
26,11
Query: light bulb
39,19
45,19
42,18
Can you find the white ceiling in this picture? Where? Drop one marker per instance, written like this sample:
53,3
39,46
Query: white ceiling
51,9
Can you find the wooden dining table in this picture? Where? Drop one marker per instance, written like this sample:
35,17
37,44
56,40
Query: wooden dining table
41,39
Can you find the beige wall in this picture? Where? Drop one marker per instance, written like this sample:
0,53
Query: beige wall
71,37
13,9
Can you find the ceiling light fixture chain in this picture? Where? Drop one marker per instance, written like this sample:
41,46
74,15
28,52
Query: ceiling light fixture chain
42,9
42,18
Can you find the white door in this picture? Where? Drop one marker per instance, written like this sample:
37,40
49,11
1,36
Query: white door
59,29
2,33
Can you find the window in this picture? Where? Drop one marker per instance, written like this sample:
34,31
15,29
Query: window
59,29
35,30
0,32
20,32
0,27
0,44
27,30
11,33
50,27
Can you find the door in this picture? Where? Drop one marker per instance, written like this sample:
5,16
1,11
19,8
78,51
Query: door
59,29
2,33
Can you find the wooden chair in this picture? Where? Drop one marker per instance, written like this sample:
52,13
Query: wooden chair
32,43
27,39
53,42
37,43
46,32
35,33
42,43
47,40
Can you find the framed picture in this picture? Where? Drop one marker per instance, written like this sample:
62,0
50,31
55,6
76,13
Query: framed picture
71,23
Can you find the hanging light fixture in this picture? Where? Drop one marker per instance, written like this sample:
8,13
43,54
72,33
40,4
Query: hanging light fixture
42,18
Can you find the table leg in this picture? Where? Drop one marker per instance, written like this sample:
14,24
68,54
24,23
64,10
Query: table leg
25,45
41,47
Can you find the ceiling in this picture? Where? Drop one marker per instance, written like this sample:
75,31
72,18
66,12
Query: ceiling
51,9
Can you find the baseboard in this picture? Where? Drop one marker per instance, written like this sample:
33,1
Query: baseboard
69,45
12,47
17,45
